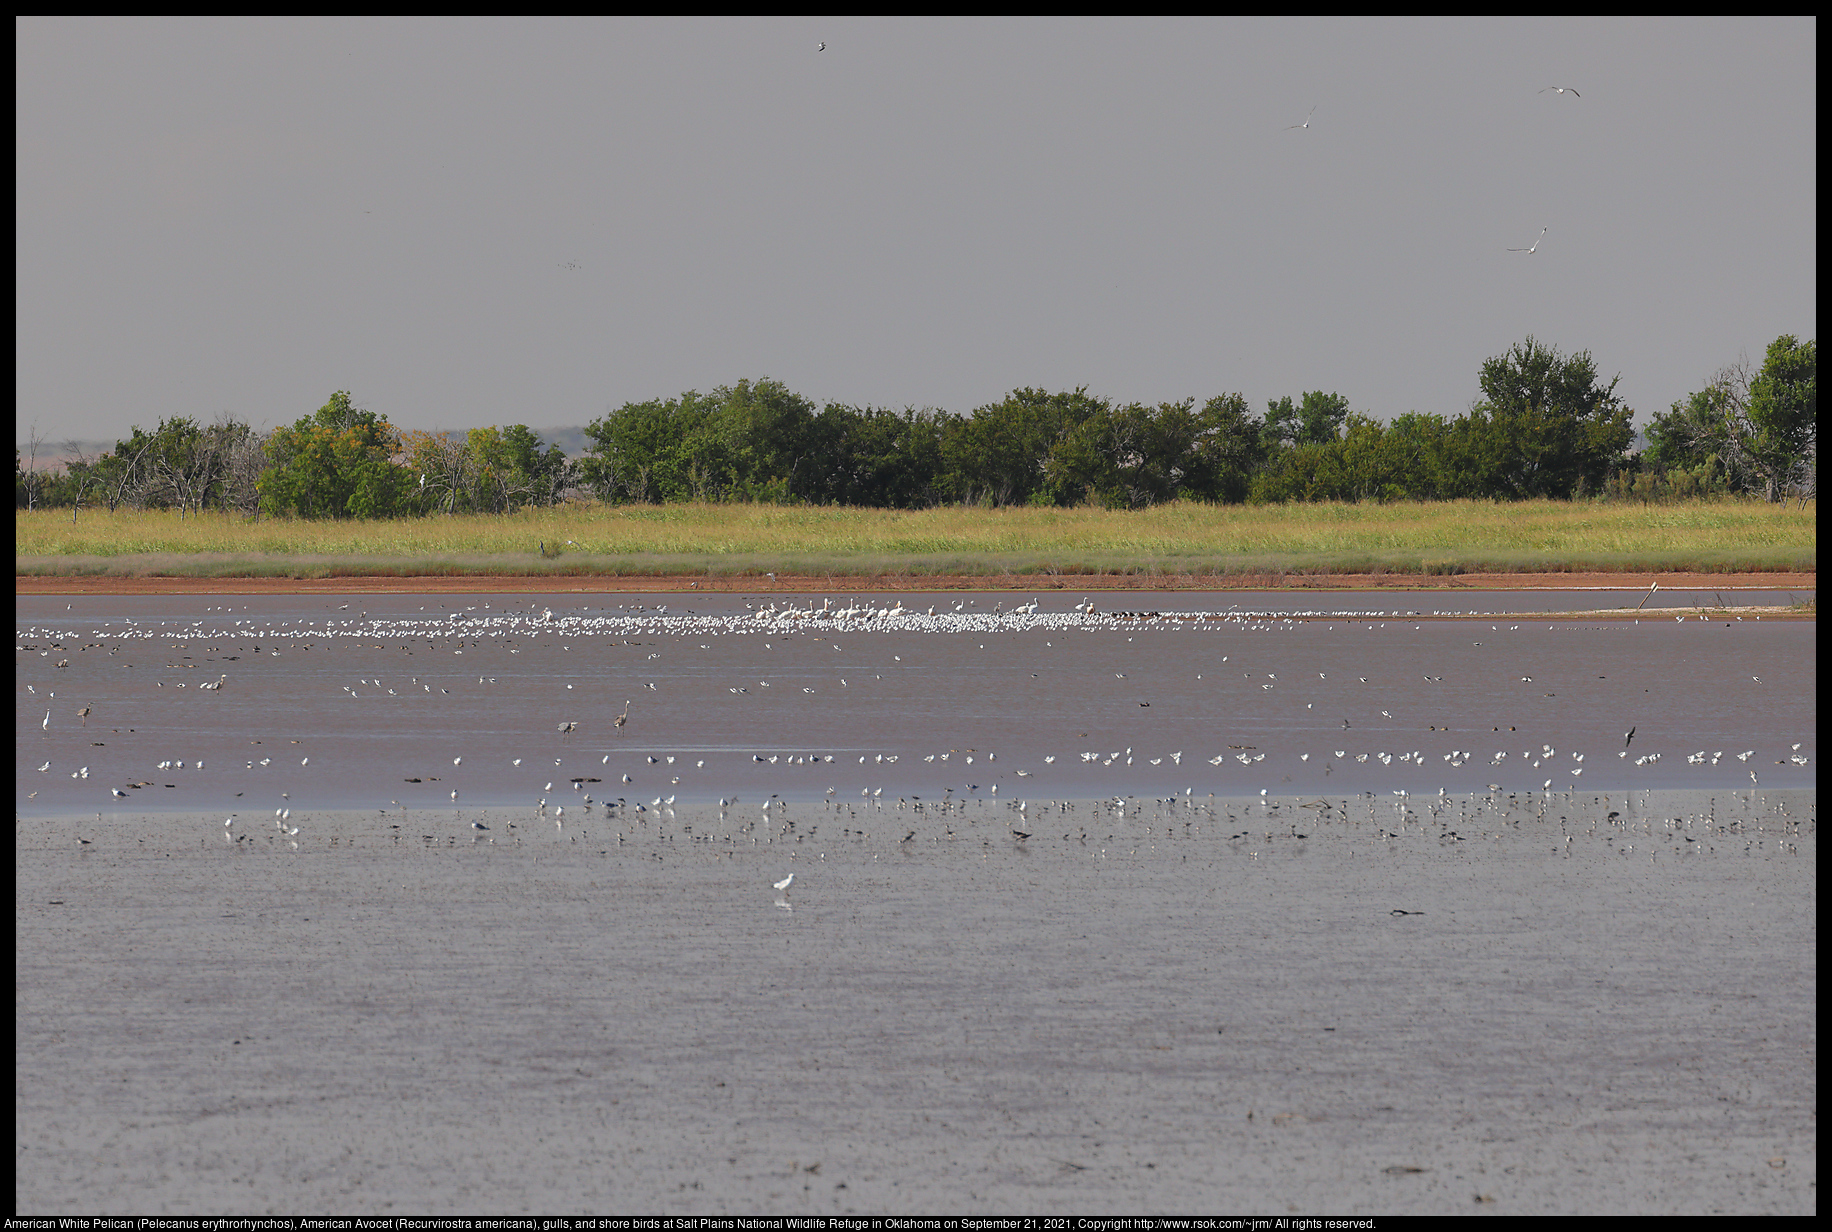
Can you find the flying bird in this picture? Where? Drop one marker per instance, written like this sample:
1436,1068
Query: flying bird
1563,90
1535,248
823,47
1306,124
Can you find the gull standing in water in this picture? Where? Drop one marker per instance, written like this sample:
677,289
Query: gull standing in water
784,883
1535,248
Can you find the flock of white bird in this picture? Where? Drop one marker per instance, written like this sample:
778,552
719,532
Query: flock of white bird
481,628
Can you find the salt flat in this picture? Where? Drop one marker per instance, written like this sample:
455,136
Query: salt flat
1213,1005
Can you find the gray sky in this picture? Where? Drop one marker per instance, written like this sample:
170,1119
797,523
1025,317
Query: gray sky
244,216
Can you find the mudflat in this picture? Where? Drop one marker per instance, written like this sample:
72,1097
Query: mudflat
1531,1003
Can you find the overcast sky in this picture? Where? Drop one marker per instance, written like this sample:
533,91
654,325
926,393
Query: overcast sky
528,221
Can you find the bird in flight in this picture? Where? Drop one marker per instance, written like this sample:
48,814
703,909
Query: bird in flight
1535,248
1306,124
823,47
1562,90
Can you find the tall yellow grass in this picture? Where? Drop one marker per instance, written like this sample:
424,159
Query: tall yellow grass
1457,536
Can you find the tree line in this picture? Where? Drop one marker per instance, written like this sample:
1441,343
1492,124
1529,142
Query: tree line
338,462
1546,425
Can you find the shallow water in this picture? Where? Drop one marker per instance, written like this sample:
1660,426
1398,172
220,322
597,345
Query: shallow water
330,705
1353,994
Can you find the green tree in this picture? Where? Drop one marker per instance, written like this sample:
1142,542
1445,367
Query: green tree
1760,430
1691,439
544,469
1230,446
1783,415
653,451
337,462
1126,457
876,457
1420,458
1552,427
997,455
764,433
1316,420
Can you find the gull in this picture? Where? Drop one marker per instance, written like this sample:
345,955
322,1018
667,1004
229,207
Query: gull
1306,124
1535,248
823,47
1563,90
784,883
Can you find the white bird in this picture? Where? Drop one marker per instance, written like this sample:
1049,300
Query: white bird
1563,90
1535,248
1306,124
784,883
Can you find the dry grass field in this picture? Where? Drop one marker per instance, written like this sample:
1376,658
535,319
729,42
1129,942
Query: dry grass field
1714,536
